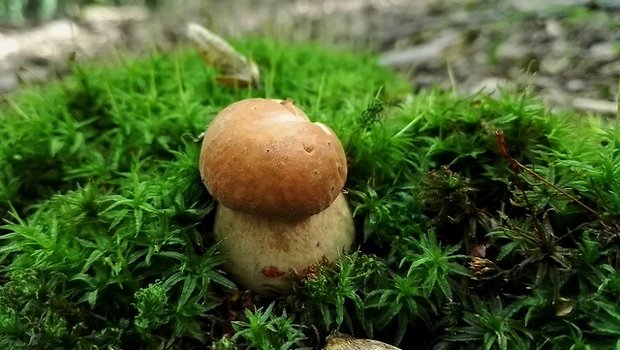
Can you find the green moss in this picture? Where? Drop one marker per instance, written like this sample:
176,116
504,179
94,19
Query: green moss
106,241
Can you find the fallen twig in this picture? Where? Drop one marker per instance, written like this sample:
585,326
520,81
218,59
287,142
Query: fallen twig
518,167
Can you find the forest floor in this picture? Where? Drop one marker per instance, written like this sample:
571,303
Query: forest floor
567,50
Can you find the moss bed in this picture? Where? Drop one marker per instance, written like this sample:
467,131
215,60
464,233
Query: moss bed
106,243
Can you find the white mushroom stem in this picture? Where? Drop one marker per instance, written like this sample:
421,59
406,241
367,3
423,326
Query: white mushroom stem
262,252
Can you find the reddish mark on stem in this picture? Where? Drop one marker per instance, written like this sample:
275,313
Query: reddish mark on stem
272,271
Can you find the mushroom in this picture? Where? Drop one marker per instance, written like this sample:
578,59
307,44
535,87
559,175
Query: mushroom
278,180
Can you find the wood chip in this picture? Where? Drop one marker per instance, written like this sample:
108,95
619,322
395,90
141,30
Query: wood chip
339,341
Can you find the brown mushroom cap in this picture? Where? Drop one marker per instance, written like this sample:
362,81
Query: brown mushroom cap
265,157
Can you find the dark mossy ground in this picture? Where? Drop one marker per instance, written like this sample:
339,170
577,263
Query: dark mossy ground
106,239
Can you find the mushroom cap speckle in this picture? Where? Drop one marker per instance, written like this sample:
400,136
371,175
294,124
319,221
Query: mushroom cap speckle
265,157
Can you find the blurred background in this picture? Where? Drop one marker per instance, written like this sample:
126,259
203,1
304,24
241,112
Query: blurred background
567,50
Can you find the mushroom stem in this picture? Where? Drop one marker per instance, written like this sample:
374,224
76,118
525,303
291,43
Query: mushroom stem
264,252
